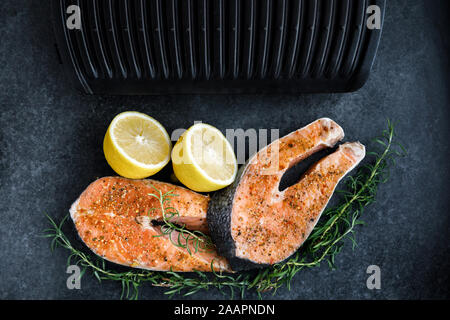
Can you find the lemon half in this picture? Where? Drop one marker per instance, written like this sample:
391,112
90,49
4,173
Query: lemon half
203,159
136,145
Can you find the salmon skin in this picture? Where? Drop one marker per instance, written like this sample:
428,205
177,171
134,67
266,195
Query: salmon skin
115,218
253,223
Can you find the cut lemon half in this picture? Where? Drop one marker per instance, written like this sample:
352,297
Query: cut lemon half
203,159
136,145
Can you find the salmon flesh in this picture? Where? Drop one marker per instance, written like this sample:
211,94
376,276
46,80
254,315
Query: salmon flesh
253,223
115,217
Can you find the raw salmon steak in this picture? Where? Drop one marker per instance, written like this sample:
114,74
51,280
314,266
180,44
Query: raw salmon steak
253,223
115,217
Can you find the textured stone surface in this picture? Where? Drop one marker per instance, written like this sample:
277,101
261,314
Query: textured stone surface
51,149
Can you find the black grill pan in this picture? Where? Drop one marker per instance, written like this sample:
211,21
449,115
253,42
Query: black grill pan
217,46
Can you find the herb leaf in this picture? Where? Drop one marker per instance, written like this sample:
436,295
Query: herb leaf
184,238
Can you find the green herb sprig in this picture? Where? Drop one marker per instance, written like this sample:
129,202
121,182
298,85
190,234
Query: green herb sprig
183,238
325,242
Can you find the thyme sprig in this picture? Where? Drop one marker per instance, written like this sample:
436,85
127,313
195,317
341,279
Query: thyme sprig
325,242
178,234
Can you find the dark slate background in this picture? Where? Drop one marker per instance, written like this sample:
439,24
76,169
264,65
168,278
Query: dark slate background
51,149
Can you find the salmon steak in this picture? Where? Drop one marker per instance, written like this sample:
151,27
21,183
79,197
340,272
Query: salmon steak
253,223
117,219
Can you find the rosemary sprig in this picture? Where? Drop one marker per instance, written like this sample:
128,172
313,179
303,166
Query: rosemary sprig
184,238
324,243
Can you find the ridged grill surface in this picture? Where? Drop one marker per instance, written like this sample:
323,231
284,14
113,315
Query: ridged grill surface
135,42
